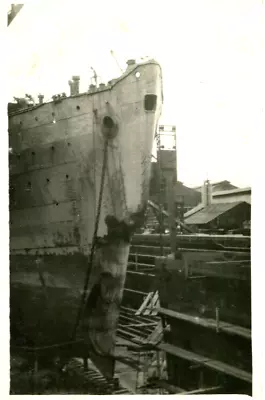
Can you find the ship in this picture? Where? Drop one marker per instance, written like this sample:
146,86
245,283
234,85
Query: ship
79,170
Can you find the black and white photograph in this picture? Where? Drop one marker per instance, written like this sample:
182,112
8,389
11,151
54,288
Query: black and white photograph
130,192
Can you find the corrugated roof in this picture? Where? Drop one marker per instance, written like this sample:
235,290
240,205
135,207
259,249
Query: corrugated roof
232,191
194,210
209,213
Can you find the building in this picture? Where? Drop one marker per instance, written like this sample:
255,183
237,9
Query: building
225,192
218,186
221,217
221,211
233,195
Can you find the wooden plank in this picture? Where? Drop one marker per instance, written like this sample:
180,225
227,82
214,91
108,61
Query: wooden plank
135,291
172,389
154,299
230,370
230,263
122,316
236,330
136,322
202,240
144,303
152,251
156,335
156,306
139,265
132,311
185,354
150,306
140,273
142,333
213,389
139,325
208,323
133,318
142,255
119,330
133,337
212,364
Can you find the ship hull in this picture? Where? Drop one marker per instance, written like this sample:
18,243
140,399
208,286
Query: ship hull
56,177
45,298
55,291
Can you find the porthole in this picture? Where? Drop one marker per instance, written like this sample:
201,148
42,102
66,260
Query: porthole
137,74
78,108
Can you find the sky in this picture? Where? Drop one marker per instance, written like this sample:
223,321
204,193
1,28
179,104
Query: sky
209,53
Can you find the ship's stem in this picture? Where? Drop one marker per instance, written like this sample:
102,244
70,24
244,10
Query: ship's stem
105,290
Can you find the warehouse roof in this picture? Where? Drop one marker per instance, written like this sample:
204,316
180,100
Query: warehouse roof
209,213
